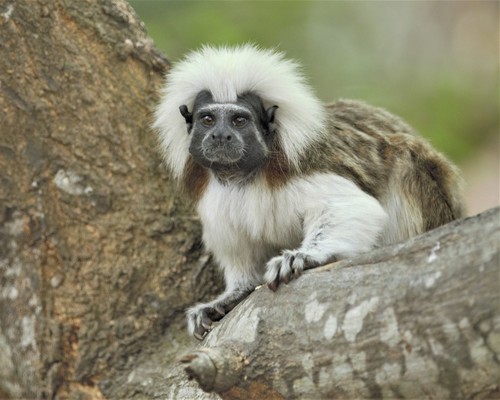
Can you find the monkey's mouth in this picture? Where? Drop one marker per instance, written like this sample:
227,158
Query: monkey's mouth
223,154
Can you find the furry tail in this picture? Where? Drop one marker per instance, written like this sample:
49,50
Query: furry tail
426,193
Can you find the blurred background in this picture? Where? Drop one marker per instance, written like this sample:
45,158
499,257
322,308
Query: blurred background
433,63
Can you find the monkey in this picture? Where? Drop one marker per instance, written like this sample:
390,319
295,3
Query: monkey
284,183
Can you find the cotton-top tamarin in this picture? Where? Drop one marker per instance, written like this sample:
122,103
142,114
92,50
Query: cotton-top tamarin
284,183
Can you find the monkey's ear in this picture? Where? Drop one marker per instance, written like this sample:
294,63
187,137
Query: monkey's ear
187,116
270,113
270,118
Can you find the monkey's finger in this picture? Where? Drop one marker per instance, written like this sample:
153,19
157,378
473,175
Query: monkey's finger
273,285
207,325
299,264
220,310
285,274
286,270
272,275
206,322
197,335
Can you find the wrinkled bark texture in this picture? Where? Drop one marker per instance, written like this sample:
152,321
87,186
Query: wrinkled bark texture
414,320
100,253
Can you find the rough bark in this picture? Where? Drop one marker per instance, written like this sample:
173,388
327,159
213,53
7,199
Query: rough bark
100,253
419,319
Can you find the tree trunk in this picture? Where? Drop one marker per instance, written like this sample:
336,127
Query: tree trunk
100,253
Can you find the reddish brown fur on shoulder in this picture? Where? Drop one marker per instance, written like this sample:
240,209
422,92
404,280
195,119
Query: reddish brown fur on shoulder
277,170
195,178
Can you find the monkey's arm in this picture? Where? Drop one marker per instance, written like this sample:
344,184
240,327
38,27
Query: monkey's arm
338,223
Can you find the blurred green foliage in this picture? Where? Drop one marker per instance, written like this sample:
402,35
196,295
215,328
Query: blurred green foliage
434,63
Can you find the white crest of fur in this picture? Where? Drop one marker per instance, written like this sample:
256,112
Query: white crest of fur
226,73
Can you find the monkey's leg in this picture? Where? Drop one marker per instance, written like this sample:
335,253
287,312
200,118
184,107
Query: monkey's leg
201,316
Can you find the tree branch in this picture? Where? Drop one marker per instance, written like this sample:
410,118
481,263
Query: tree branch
415,320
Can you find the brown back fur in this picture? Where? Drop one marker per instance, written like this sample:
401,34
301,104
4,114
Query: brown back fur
386,158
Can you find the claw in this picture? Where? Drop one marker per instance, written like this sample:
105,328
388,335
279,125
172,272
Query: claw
273,285
207,325
284,278
205,321
290,259
220,310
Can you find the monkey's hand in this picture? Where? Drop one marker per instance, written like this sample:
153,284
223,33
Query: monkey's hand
289,265
201,317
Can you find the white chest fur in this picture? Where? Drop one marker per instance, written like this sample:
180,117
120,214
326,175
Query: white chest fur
246,225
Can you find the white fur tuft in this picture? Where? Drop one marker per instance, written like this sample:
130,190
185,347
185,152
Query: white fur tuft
226,73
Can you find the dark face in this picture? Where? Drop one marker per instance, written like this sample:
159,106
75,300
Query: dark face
230,138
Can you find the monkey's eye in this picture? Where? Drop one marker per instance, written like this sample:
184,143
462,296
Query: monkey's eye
240,121
207,120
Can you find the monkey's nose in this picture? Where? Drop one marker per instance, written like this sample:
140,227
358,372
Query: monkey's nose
221,137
